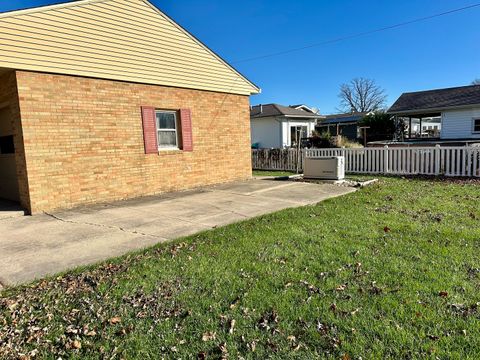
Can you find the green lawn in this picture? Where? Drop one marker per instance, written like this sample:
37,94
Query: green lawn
391,271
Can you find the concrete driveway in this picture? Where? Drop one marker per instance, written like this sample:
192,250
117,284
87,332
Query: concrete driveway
34,246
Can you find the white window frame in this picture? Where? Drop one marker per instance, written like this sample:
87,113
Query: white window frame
296,126
167,147
474,120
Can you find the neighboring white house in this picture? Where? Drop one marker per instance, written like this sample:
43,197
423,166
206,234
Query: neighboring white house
450,114
278,126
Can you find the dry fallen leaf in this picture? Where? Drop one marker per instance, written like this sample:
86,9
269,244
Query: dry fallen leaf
115,320
387,229
235,302
209,336
443,294
292,338
354,312
224,350
341,287
77,344
232,326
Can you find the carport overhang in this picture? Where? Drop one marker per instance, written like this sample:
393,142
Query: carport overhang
420,114
417,114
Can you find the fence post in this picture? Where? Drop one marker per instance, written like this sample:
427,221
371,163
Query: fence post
385,160
438,153
304,156
468,154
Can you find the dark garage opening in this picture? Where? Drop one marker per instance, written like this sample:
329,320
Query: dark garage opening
8,173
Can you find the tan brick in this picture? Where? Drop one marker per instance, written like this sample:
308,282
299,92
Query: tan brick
84,140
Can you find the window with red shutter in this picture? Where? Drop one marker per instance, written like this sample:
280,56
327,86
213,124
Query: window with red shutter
149,130
186,124
161,130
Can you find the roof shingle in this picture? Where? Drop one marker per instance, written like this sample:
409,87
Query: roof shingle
343,118
267,110
437,99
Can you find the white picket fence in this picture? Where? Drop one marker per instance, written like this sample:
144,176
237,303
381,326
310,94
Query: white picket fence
447,161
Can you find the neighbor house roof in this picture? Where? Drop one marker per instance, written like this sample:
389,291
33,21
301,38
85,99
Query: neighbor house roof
126,40
304,107
268,110
437,100
342,118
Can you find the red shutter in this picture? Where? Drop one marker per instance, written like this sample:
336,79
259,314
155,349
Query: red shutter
186,122
149,130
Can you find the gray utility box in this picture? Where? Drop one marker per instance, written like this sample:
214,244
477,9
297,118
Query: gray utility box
325,168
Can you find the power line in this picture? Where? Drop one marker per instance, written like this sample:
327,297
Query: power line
353,36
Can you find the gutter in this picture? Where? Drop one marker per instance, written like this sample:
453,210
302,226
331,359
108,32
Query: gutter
335,124
306,117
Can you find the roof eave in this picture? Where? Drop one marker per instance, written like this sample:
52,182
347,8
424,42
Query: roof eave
431,110
296,117
339,123
304,117
261,116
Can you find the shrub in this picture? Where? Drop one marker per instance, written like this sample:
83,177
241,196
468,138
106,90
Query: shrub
343,142
321,140
381,126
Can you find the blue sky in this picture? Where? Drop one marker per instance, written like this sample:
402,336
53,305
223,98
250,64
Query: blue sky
442,52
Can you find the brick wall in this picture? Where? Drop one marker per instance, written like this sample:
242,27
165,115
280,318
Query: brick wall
84,140
9,102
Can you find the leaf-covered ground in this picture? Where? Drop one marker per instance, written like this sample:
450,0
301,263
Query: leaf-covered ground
391,271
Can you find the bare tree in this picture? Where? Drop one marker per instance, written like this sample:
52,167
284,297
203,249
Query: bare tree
362,95
476,82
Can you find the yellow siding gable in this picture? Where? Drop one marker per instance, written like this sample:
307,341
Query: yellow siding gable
127,40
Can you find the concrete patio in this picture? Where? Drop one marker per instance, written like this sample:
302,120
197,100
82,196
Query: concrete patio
9,209
34,246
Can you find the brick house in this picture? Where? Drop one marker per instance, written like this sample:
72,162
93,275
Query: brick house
102,100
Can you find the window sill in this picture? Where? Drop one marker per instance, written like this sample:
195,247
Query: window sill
167,151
